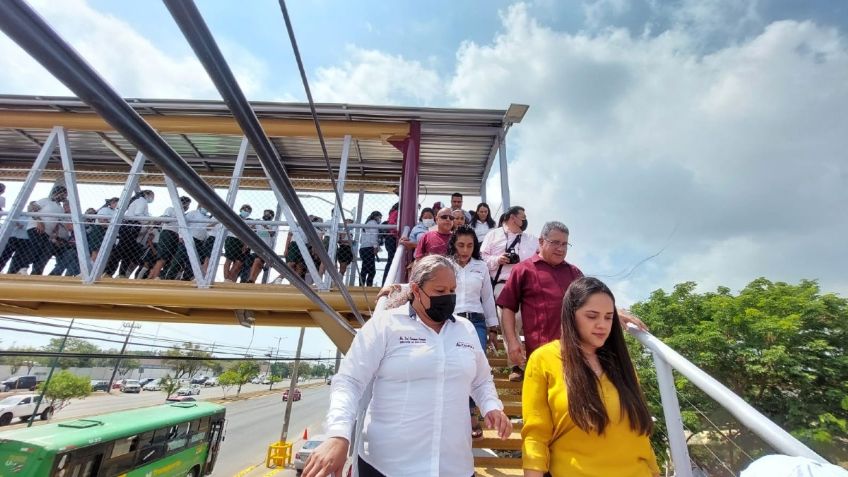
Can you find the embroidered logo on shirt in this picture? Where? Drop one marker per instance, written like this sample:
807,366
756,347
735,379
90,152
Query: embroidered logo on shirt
411,340
463,344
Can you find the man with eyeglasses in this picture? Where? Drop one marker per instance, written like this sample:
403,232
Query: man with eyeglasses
435,242
536,287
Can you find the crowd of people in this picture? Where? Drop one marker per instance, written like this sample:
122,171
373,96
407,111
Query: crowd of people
146,247
424,352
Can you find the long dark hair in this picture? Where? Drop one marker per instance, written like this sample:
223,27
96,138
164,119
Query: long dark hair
463,230
373,216
585,405
140,194
476,218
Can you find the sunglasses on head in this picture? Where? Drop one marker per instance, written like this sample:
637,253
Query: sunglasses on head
446,217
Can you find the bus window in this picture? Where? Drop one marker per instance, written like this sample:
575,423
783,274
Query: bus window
124,446
196,434
178,436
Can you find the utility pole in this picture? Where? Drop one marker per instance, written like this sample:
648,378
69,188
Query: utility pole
131,326
50,374
292,382
338,361
271,365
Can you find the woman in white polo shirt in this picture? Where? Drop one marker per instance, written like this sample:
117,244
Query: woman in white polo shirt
424,364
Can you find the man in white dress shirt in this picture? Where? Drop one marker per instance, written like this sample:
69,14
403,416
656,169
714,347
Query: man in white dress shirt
424,363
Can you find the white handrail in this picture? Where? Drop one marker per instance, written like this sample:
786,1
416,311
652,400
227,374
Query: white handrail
759,424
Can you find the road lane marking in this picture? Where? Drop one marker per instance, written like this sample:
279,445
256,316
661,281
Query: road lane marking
246,471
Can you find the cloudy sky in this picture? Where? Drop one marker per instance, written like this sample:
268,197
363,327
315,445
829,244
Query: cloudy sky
710,135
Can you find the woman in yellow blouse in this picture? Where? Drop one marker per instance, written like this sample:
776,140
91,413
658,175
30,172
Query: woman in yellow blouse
584,412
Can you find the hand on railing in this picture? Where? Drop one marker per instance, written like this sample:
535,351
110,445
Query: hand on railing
626,318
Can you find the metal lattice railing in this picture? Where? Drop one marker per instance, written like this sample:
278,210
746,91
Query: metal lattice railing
44,238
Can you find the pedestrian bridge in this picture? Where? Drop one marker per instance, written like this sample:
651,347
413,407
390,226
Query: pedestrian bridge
173,301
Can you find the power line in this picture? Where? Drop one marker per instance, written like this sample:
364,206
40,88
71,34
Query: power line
53,354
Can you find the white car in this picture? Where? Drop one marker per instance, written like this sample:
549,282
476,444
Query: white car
155,385
189,390
302,455
211,382
131,386
22,406
256,380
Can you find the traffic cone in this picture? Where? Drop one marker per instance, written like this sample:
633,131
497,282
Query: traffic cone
305,434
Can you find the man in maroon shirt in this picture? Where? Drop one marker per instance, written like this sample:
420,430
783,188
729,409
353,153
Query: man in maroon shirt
535,287
435,242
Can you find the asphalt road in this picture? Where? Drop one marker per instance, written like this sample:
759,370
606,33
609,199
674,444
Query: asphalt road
101,402
255,423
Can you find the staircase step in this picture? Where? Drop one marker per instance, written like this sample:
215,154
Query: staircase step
498,463
490,440
492,472
512,408
497,362
501,383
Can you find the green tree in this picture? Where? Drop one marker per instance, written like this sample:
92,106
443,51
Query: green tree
74,345
227,380
169,385
245,371
274,379
18,363
780,347
178,359
65,386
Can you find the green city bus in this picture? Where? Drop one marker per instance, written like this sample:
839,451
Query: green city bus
179,439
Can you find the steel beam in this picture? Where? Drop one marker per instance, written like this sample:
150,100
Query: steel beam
505,199
77,221
29,30
184,232
108,242
221,231
191,23
337,212
29,184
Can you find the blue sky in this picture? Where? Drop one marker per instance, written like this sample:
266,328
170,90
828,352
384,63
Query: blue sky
708,132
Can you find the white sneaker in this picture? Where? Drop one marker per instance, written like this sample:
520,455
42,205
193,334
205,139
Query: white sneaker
227,280
278,281
23,271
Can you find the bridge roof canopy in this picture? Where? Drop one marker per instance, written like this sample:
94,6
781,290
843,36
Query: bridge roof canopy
457,145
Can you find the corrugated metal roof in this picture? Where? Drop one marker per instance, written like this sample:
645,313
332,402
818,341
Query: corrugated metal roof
456,144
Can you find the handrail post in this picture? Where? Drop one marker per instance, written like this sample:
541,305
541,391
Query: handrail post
673,419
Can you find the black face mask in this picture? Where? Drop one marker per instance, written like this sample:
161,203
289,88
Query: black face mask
524,225
441,307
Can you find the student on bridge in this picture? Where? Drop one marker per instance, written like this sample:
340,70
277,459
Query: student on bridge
584,412
424,364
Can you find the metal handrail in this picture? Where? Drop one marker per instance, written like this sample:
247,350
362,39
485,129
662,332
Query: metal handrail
666,359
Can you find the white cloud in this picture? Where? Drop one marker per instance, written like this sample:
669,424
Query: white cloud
132,64
740,151
375,77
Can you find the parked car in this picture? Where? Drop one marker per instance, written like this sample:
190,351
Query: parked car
200,380
155,385
188,391
296,395
118,384
19,382
211,382
99,385
130,386
145,381
256,380
22,406
180,399
302,455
